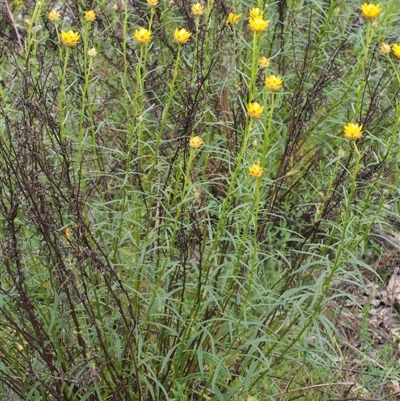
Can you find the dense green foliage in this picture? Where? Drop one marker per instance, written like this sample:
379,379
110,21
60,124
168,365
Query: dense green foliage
137,267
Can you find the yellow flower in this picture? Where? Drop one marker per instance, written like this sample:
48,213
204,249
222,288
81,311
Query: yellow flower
396,50
195,142
152,3
142,36
70,38
67,233
370,11
258,24
263,62
181,36
197,9
385,48
90,16
273,82
256,13
352,131
92,52
255,110
233,19
53,16
255,170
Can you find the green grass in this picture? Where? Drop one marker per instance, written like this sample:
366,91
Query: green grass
136,267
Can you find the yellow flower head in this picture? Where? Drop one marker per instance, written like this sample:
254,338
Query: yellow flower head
90,16
256,13
396,50
197,9
370,11
195,142
181,36
258,24
54,16
67,233
92,52
273,82
142,36
152,3
353,131
385,48
233,19
70,38
263,62
255,110
255,170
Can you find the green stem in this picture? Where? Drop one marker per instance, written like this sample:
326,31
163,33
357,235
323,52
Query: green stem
165,114
137,108
254,69
267,135
363,62
174,231
62,96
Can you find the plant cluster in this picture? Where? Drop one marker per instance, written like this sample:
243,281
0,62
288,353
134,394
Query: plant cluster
184,188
